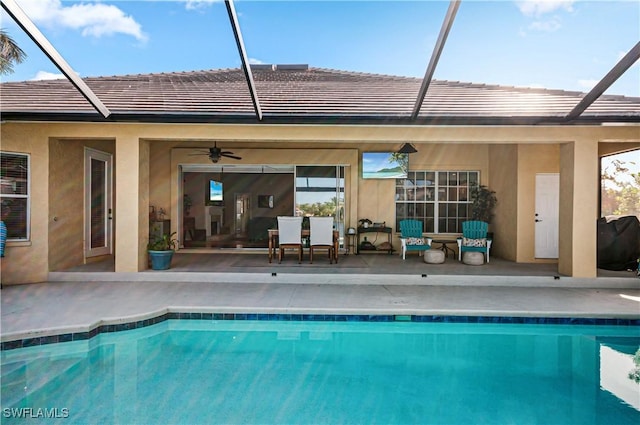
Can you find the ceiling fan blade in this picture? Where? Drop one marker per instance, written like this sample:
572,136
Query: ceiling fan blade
230,156
200,152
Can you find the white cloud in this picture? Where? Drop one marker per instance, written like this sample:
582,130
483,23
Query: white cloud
588,84
254,61
92,19
199,4
549,25
44,75
537,8
541,7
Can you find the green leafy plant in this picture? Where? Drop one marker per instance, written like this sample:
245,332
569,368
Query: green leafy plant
10,53
483,201
620,187
635,373
165,243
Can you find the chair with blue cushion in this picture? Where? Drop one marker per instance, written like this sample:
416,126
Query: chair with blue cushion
474,238
411,237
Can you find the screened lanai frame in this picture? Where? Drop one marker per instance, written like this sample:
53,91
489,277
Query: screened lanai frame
604,83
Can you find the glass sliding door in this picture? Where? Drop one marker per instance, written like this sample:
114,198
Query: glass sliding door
232,206
249,198
320,192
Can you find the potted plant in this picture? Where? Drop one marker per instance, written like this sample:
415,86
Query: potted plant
161,251
483,201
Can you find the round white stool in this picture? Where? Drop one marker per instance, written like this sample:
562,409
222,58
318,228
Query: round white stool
434,256
473,258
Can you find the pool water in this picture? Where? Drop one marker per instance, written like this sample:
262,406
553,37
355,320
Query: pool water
268,372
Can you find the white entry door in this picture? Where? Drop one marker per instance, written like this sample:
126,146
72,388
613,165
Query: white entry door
547,215
98,204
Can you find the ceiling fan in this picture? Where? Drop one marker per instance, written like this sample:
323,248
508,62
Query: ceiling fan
215,154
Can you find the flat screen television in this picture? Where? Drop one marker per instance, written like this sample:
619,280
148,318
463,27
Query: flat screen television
215,191
384,165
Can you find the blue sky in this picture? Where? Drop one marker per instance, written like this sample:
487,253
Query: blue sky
553,44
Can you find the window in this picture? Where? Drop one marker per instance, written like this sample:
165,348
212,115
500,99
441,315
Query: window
14,194
440,199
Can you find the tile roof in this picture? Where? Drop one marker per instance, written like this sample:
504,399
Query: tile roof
295,94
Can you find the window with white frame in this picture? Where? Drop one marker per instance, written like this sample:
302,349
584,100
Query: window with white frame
14,194
440,199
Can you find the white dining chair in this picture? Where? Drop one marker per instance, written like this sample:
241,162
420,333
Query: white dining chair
321,236
289,236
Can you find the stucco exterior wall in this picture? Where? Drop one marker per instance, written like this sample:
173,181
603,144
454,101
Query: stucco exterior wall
66,199
532,159
147,176
142,212
503,163
159,174
433,157
27,262
578,207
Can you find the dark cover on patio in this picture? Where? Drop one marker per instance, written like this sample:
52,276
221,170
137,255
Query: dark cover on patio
618,243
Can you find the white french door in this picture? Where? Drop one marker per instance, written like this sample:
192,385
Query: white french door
97,203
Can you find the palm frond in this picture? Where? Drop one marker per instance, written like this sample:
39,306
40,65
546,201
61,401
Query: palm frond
10,53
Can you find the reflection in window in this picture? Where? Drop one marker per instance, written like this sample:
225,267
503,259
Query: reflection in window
620,184
14,194
320,192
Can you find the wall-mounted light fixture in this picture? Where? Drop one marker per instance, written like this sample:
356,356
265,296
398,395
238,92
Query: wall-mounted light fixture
407,148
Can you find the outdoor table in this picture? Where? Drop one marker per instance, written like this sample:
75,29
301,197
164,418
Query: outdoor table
444,246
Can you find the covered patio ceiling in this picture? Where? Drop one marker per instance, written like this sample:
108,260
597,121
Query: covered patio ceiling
21,18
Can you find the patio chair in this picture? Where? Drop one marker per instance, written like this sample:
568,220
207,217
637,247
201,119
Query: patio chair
411,237
474,238
321,236
289,236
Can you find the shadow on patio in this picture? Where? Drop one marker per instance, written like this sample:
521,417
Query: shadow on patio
380,264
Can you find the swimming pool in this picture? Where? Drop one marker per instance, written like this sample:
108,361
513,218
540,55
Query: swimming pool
270,372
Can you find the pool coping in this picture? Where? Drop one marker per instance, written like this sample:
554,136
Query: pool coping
110,325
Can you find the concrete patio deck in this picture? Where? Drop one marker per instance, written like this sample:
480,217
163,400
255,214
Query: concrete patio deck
85,298
187,263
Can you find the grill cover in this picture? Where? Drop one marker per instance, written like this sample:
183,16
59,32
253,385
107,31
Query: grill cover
618,243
